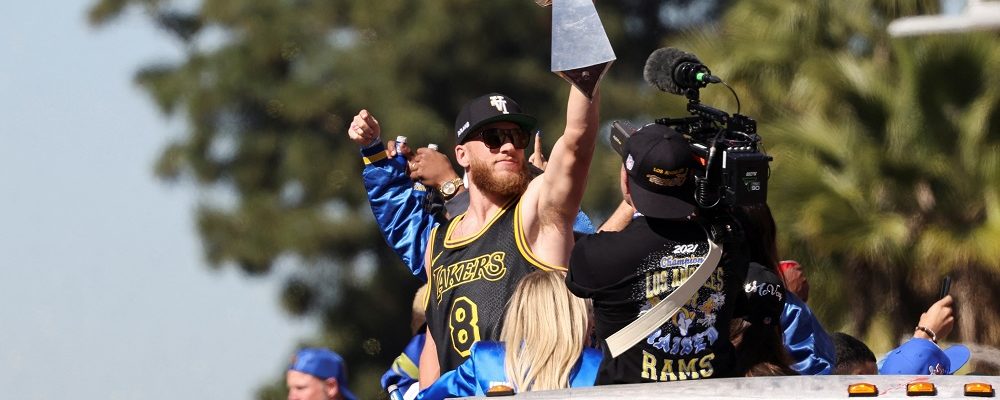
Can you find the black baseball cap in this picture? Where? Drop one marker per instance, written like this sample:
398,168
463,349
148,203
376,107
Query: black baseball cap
765,295
659,164
487,109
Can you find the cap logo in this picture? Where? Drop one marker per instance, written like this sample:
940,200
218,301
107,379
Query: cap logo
763,289
668,178
463,128
936,369
629,162
500,103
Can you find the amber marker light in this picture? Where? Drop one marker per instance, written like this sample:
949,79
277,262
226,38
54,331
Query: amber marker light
500,390
920,389
979,389
862,390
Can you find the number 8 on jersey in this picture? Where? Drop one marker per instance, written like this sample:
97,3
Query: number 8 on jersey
463,325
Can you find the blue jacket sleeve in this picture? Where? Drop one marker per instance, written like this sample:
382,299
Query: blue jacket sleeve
405,371
808,343
397,207
584,373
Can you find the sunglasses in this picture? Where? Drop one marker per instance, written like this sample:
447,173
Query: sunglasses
494,138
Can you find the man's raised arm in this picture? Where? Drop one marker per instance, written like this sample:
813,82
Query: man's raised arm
549,206
565,177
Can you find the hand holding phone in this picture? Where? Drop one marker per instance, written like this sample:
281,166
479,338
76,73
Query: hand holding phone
939,319
945,287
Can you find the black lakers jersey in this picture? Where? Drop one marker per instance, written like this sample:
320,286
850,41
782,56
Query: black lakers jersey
471,280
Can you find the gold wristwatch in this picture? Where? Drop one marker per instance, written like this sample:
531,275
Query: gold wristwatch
450,188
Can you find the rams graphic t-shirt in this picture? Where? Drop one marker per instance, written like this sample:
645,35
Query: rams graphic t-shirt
628,272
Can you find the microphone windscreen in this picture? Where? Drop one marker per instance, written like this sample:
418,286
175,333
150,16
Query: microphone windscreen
659,69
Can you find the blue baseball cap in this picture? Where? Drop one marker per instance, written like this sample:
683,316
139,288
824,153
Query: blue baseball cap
323,364
924,357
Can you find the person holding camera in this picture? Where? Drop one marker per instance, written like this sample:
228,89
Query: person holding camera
629,272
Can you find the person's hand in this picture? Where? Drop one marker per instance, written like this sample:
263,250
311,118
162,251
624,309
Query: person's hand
537,158
940,319
431,168
795,279
404,149
364,129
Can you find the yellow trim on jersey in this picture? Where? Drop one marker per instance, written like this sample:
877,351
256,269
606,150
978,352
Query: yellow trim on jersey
428,268
434,260
375,157
451,244
525,250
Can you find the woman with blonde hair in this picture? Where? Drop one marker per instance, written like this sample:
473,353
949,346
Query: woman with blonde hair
542,346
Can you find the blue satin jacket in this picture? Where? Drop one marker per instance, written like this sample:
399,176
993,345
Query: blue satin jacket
485,368
405,368
397,207
399,210
808,343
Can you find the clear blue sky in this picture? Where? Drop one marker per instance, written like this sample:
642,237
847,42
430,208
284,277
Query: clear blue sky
103,290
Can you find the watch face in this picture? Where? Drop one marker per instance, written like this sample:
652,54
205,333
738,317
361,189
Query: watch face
448,188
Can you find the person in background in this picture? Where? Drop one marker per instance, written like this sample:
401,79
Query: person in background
853,356
795,279
812,350
403,375
922,354
317,374
924,357
542,347
809,346
757,336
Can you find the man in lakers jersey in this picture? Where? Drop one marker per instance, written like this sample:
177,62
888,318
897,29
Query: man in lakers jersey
513,226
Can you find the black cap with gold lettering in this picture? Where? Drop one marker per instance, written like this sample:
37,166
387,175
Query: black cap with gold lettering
659,164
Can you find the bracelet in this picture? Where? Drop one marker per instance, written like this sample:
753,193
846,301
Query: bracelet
928,332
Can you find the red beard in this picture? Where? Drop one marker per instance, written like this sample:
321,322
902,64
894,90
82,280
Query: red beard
504,184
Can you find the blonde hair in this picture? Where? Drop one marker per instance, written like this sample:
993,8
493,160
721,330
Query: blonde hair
419,303
544,330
